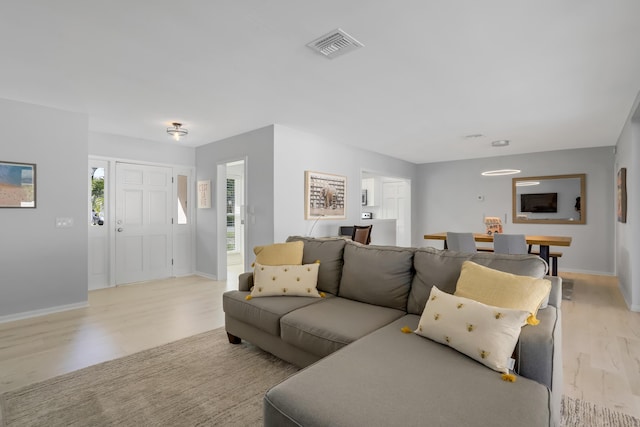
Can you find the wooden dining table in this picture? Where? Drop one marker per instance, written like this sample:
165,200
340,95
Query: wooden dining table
544,241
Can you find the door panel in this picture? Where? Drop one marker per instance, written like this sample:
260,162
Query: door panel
143,226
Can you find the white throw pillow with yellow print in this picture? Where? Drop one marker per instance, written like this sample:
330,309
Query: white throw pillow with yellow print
292,280
485,333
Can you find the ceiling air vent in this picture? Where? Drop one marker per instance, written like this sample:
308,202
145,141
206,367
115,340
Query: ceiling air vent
335,43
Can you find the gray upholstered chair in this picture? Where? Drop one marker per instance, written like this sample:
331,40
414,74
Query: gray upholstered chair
509,244
461,242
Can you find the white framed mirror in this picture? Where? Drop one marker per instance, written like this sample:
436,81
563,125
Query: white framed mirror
555,199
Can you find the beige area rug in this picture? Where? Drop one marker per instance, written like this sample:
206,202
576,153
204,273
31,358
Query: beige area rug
576,412
198,381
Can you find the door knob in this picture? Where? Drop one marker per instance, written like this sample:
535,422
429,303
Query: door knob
120,229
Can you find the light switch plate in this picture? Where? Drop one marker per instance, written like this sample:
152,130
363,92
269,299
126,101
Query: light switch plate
64,222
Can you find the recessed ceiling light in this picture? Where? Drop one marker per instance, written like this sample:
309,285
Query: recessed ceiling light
500,143
473,135
500,172
527,183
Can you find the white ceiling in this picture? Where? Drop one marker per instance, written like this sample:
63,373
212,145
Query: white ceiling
546,74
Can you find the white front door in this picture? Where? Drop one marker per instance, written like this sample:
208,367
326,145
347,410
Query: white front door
143,227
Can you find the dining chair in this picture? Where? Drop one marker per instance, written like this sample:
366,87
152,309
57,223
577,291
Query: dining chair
510,244
362,234
461,242
345,230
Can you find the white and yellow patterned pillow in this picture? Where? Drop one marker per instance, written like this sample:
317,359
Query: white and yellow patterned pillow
293,280
485,333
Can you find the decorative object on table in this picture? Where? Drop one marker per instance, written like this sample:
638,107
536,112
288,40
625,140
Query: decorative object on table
622,195
17,185
204,194
493,224
325,196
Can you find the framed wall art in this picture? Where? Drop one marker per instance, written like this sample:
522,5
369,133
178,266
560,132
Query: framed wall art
17,185
204,194
325,196
622,195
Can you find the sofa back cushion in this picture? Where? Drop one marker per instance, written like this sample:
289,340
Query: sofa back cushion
379,275
442,269
329,252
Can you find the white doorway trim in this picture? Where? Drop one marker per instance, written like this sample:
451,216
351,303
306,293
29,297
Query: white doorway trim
221,215
110,209
403,225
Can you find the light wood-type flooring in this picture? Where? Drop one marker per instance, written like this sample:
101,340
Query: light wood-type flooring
601,337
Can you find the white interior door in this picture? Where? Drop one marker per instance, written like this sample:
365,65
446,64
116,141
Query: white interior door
143,228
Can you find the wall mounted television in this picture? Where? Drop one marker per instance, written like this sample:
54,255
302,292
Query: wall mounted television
539,202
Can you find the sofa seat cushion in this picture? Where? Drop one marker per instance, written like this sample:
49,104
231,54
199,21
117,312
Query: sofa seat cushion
323,329
440,268
393,379
379,275
329,252
263,313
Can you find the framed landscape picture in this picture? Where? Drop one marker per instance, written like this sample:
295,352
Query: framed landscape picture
17,185
325,196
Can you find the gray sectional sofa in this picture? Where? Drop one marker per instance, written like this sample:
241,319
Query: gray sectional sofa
360,369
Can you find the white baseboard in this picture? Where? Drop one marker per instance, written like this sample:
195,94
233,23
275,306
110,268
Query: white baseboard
42,312
597,273
630,306
206,275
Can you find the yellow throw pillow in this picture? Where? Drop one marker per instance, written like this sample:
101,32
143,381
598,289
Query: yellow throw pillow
292,280
280,253
497,288
484,333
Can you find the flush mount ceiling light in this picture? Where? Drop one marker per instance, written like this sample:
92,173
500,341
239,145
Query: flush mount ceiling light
176,131
527,183
500,143
501,172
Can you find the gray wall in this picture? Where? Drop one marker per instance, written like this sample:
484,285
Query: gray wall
448,201
123,147
257,147
43,267
628,234
296,152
